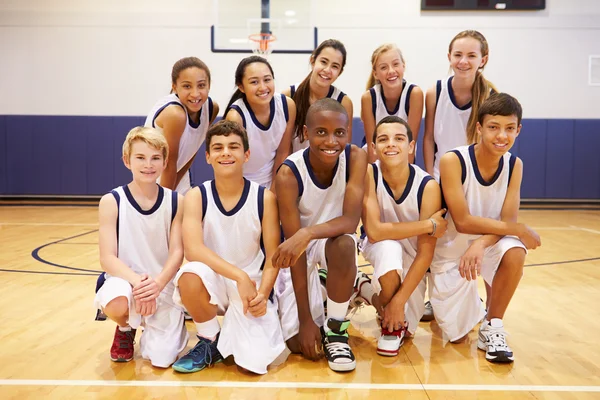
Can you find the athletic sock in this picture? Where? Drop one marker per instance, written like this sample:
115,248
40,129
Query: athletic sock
209,329
336,311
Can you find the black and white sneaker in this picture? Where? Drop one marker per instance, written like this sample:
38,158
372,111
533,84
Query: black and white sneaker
492,340
335,344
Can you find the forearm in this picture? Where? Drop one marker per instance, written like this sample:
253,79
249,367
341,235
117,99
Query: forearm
428,153
170,269
206,256
300,284
489,240
398,230
333,228
113,266
415,274
473,225
269,276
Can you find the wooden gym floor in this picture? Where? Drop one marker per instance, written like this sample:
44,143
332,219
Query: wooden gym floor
51,347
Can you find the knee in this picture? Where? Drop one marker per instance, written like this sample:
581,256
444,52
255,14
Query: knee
342,248
117,307
514,259
390,282
190,282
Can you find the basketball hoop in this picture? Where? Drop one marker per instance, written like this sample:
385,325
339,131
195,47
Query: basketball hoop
262,43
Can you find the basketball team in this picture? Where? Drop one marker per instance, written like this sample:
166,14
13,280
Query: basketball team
270,241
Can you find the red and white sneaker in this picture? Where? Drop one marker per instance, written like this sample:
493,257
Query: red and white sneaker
389,343
122,346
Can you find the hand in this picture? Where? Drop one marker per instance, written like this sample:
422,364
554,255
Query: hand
148,289
393,316
470,262
145,308
441,224
529,237
258,306
309,337
371,154
291,249
247,291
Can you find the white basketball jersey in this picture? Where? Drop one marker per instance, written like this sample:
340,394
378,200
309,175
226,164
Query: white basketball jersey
484,199
407,207
334,93
318,203
264,140
235,235
143,235
193,135
450,127
380,110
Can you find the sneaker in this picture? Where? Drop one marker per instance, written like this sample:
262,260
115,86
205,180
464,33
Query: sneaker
204,354
492,340
428,314
122,346
358,299
335,344
389,343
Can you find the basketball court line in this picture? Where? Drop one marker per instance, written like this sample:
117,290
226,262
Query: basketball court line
302,385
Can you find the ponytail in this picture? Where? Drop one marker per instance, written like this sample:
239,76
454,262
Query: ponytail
371,81
238,94
479,93
302,100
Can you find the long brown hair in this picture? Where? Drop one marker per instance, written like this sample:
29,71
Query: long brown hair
302,95
481,88
375,56
239,77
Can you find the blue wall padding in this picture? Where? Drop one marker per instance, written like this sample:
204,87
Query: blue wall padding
80,155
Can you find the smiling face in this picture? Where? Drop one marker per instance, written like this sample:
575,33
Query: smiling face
498,133
192,88
145,162
327,133
326,67
389,69
226,154
393,145
258,84
466,58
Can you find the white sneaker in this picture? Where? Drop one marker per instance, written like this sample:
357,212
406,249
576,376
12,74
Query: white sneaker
359,298
428,312
492,340
389,343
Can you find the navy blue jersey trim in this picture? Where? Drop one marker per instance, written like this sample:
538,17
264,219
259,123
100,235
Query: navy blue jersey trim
240,202
156,114
347,150
375,175
239,110
255,120
373,103
204,200
463,166
313,178
397,106
476,168
453,99
438,91
284,104
511,166
407,188
341,97
424,182
330,93
407,102
292,91
294,169
261,209
118,199
192,123
159,199
174,205
191,178
210,109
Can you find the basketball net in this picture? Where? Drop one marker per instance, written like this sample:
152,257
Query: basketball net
262,43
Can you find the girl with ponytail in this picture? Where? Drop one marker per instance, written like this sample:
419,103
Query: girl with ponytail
389,94
267,116
451,106
327,63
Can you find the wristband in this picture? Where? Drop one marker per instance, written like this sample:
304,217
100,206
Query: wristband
434,227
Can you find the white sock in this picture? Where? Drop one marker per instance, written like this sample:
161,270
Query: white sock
125,328
209,329
336,311
367,291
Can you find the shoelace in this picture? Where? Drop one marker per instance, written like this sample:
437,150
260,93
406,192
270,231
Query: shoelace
202,349
125,340
339,349
497,338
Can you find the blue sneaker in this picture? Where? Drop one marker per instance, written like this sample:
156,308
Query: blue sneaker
204,354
